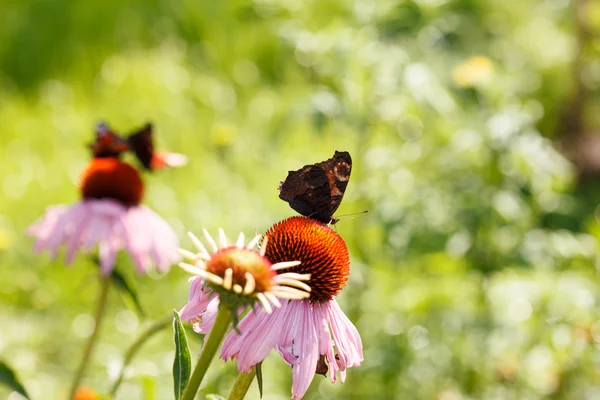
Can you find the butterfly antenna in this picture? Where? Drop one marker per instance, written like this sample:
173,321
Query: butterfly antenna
347,215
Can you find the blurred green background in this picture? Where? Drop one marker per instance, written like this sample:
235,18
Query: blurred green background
471,124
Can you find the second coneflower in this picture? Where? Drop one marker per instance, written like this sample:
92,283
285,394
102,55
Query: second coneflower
109,215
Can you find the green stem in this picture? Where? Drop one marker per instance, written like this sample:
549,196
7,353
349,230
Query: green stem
242,384
215,337
133,349
89,347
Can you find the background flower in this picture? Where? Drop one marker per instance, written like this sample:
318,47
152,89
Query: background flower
109,217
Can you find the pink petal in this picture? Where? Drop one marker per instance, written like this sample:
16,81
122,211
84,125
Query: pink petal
208,317
149,238
164,242
260,341
325,341
137,238
306,347
345,336
98,231
60,229
291,327
202,306
107,256
233,342
74,241
112,227
260,332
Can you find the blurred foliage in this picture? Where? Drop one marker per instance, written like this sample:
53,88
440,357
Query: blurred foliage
474,275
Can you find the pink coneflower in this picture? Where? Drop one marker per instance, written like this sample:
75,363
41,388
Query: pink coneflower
312,335
110,217
237,275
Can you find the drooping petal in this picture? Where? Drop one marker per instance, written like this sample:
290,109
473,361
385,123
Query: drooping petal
63,228
107,256
44,229
325,340
208,317
261,330
112,227
345,336
137,238
201,308
266,335
290,330
79,227
98,231
307,350
234,342
164,240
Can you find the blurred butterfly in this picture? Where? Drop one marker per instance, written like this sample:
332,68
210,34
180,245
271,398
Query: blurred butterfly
110,144
316,190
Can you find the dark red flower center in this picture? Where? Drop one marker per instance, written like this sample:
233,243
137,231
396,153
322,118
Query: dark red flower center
109,178
322,252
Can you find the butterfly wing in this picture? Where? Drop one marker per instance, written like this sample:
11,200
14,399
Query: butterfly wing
141,144
108,143
316,190
163,159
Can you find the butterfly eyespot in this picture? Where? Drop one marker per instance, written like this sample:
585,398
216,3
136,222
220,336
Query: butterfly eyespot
341,172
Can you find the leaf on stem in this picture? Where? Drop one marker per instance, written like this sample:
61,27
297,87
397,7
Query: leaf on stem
8,378
182,365
259,378
128,287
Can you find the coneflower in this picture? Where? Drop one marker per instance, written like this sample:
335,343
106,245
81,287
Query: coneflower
109,217
238,276
313,334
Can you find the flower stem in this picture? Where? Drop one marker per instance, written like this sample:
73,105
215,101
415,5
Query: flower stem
89,347
241,385
133,349
215,337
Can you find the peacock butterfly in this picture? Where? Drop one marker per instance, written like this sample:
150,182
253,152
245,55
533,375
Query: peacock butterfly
110,144
316,190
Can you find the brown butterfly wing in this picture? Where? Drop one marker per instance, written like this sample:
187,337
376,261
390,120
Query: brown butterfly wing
141,144
316,190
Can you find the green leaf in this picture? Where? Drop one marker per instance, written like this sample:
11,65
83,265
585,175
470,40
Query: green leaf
127,287
182,365
8,378
259,378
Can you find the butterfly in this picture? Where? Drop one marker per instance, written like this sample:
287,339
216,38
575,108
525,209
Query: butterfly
110,144
316,190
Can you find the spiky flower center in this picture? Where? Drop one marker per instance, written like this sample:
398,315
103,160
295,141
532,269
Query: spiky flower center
322,252
109,178
242,261
243,276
